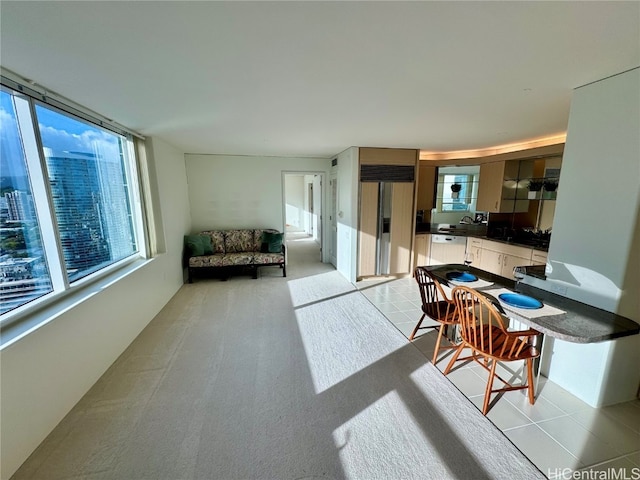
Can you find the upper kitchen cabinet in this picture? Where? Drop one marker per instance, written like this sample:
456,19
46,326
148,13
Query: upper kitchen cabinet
490,187
426,187
500,189
388,156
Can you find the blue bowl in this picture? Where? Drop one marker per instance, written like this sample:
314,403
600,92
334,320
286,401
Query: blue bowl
461,277
520,301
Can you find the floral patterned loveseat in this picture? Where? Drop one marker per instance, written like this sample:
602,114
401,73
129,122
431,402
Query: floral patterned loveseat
226,249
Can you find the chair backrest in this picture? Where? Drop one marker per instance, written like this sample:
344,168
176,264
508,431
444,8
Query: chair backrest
481,324
434,301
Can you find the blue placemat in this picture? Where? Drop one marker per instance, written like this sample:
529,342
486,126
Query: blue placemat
461,277
520,301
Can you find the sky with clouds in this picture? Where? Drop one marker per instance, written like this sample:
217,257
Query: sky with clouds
59,133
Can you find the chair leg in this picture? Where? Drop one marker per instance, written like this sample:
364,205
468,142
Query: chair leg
437,348
415,330
454,358
532,397
487,393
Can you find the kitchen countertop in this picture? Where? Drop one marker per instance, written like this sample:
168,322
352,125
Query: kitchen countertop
463,232
581,323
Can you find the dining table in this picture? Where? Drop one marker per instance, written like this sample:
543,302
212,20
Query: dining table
554,315
598,379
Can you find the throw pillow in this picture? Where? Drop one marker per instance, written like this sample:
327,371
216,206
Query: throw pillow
194,244
207,244
273,241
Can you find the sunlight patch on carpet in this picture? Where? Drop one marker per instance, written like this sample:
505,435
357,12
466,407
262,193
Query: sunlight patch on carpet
318,287
344,335
379,439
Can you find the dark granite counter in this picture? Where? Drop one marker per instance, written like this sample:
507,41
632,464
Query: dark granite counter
462,231
581,323
515,242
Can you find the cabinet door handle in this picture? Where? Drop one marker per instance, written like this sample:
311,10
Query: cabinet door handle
500,259
504,261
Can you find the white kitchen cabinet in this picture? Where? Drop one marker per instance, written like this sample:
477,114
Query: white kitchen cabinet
421,250
491,261
495,257
501,258
474,246
511,261
538,257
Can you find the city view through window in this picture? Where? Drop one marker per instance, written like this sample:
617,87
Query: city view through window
84,182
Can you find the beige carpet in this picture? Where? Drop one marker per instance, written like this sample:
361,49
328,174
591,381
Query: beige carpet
275,378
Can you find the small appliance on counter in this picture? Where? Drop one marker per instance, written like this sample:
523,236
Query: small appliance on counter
421,225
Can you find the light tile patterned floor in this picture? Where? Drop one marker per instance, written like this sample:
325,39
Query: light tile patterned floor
559,434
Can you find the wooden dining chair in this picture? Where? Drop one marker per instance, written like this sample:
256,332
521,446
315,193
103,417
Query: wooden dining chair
435,305
483,329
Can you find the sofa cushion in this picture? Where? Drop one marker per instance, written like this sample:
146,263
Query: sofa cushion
198,244
268,258
273,241
215,260
217,240
236,241
241,258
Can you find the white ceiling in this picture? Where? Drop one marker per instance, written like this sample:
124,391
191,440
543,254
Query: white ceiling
313,78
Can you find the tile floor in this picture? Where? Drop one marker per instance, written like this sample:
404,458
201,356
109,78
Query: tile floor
559,434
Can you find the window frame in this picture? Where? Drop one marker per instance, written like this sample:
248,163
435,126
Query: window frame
468,194
25,100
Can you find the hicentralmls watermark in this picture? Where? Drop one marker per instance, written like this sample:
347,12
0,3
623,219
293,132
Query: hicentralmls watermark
595,474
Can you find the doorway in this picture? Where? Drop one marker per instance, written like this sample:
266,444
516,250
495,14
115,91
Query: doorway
310,215
303,207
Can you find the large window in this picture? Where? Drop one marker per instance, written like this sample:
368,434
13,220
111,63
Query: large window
24,274
66,206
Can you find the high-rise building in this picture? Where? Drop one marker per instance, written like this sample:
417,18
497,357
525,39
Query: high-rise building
87,191
19,206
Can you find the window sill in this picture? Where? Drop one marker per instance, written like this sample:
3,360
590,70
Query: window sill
38,313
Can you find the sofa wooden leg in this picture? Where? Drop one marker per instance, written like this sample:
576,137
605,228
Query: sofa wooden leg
254,273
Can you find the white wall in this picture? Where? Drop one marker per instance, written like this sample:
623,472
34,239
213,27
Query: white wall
227,191
594,255
347,207
294,195
599,195
45,373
